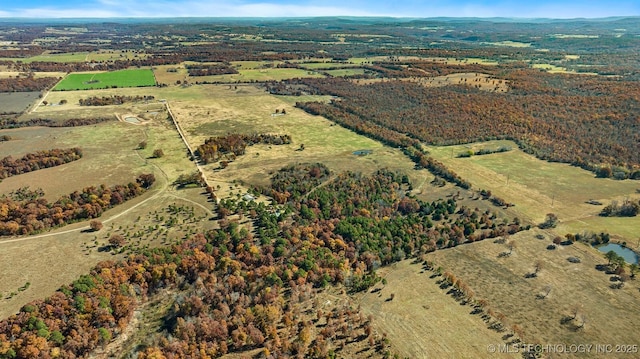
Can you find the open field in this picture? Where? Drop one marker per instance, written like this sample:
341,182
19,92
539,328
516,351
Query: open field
223,111
610,314
15,102
477,80
73,98
538,187
110,157
257,75
104,55
344,72
37,74
325,65
123,78
165,74
442,60
423,321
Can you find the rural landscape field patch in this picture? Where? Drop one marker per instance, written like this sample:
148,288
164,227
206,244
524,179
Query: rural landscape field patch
123,78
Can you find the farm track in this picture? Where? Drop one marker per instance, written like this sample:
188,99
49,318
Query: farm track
164,191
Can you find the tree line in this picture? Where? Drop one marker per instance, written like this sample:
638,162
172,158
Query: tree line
31,213
113,100
38,160
586,121
46,122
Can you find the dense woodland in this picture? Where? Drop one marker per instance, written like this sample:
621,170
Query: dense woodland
27,83
240,290
71,122
29,213
210,69
38,160
590,122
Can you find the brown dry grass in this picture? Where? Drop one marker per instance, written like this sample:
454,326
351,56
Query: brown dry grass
248,110
422,321
477,80
110,157
611,314
538,187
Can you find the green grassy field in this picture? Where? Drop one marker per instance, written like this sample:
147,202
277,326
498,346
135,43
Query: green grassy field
123,78
249,75
325,65
64,57
345,72
538,187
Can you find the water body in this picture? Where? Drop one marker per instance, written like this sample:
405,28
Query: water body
362,152
132,120
629,256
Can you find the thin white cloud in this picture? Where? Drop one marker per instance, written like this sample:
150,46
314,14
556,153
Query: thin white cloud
123,8
270,8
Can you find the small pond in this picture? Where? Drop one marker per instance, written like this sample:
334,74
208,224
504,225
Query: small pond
626,253
132,120
362,152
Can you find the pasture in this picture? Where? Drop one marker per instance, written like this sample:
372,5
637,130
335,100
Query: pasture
100,80
422,321
257,75
111,156
81,56
477,80
544,306
538,187
248,109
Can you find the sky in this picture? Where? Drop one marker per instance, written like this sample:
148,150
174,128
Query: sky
304,8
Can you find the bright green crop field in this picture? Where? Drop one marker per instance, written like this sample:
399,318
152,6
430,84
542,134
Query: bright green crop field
101,80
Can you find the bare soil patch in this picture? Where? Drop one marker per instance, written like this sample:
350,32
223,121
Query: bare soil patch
16,102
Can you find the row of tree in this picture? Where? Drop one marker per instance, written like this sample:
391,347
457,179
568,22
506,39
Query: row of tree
555,117
31,213
71,122
26,83
113,100
38,160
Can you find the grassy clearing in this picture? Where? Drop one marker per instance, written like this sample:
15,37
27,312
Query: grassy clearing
611,314
539,187
9,74
550,68
110,157
123,78
73,97
248,109
474,79
326,65
80,56
422,321
170,74
258,75
344,72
